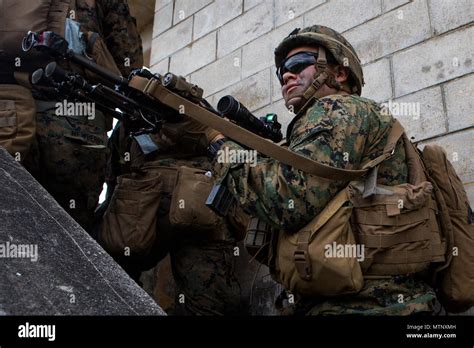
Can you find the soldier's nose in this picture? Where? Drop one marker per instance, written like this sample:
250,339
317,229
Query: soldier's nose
287,76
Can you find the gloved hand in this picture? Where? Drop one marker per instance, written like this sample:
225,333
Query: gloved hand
190,135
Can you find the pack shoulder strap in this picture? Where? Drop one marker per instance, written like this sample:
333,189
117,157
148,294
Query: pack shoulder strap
395,134
241,135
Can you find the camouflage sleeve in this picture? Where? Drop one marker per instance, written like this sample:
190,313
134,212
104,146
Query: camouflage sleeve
121,35
332,132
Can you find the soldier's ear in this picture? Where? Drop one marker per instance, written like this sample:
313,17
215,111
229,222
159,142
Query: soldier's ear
341,73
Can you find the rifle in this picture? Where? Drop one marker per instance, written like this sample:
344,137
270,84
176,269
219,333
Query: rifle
135,101
154,96
141,112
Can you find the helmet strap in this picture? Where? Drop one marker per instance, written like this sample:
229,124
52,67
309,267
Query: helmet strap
322,76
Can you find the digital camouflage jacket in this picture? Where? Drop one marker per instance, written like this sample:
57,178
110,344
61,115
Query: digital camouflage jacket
343,131
111,19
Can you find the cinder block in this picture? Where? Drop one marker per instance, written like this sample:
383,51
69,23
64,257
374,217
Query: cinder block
287,10
253,92
194,56
162,67
378,85
172,40
342,15
248,4
391,32
159,4
437,60
215,15
447,15
460,102
276,87
258,54
219,74
388,5
459,148
163,19
185,8
243,29
430,121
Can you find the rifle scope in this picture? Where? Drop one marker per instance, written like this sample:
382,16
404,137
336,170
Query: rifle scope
267,127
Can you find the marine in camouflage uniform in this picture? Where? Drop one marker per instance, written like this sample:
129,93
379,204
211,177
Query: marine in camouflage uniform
336,127
70,156
204,269
203,265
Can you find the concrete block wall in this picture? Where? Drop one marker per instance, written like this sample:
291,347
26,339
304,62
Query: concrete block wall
418,52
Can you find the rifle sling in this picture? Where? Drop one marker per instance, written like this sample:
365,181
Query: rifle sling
155,89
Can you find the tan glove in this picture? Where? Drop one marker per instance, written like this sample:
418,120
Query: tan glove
190,135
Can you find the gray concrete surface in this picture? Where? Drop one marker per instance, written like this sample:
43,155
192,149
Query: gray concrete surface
72,274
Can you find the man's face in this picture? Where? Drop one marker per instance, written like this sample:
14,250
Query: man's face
294,85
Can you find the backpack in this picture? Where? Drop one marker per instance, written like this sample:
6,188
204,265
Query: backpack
454,281
423,226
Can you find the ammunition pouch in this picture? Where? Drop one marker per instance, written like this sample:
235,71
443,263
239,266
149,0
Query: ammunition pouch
308,262
398,228
392,232
17,119
130,221
188,212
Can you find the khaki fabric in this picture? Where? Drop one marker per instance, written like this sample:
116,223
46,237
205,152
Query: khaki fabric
456,288
302,265
17,120
31,15
398,229
98,51
100,54
188,205
131,218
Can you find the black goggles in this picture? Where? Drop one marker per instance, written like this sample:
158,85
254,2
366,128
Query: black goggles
296,63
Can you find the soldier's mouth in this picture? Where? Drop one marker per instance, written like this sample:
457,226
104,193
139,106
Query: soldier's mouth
291,88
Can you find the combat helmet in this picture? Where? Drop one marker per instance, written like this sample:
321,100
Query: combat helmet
336,44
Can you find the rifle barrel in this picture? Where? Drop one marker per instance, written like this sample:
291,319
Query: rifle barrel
103,72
